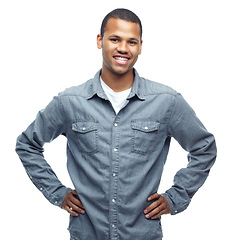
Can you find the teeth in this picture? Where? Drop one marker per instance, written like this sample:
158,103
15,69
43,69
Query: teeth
121,59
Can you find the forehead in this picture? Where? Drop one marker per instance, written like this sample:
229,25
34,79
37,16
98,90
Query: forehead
122,28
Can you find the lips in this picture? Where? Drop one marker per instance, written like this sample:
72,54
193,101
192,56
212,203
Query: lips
122,60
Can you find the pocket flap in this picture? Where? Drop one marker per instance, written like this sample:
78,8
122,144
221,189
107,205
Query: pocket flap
84,127
145,126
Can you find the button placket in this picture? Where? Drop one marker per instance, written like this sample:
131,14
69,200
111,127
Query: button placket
114,178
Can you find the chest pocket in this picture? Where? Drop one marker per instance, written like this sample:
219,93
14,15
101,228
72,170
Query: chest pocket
144,136
86,136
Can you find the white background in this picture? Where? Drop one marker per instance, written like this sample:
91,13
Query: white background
47,46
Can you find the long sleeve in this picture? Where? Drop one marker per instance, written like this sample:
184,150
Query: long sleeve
48,125
187,129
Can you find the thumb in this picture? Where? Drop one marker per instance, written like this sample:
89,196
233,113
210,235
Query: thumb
154,196
74,192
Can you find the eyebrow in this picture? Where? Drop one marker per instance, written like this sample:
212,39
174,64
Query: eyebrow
116,36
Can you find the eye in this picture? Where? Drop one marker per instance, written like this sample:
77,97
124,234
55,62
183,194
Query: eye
114,40
132,43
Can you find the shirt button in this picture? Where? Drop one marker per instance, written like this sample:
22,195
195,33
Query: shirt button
113,200
146,128
41,188
83,128
115,149
114,174
116,124
113,225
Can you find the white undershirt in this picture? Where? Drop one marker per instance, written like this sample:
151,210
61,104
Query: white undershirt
117,99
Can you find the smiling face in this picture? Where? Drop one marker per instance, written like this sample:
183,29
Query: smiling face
121,45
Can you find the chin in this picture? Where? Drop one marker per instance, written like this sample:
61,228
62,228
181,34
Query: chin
121,71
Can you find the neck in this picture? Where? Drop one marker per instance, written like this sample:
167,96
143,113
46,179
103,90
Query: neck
117,82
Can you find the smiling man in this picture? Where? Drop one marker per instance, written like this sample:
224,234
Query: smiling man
121,46
118,128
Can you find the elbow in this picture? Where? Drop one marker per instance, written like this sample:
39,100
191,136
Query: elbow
203,156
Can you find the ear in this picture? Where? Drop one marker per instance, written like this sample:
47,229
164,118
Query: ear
99,41
140,47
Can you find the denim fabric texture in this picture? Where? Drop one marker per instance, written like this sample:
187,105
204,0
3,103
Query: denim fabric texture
116,161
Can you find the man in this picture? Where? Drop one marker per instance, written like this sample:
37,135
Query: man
118,128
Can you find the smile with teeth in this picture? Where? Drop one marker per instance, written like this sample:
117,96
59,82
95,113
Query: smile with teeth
121,60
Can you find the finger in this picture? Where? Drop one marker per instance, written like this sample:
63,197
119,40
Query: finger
154,196
153,205
76,201
162,207
159,214
76,208
70,211
155,211
73,205
74,192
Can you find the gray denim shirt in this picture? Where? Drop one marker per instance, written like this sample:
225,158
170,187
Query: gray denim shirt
116,161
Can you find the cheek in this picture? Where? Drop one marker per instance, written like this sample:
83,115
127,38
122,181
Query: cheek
136,54
136,51
106,55
107,50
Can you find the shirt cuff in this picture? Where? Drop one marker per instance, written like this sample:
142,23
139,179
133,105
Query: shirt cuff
58,198
177,204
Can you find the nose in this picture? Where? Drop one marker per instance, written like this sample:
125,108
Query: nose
123,47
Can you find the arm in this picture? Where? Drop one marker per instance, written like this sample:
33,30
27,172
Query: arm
187,129
48,125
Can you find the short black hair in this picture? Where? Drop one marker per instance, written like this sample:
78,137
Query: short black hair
121,13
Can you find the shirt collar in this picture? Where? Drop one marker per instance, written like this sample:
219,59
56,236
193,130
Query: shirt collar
95,87
138,87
